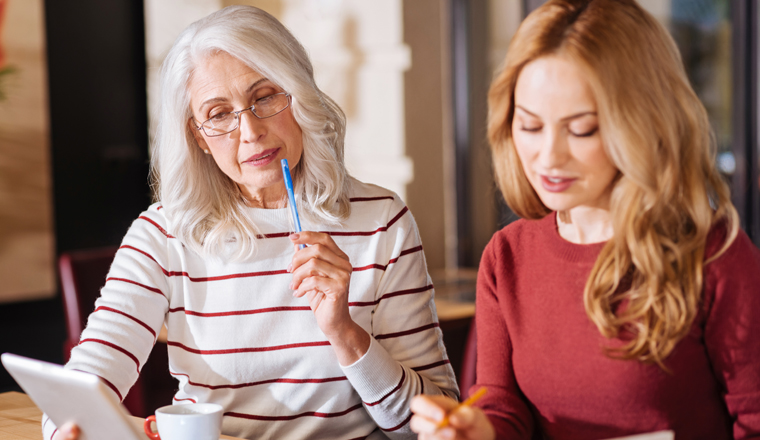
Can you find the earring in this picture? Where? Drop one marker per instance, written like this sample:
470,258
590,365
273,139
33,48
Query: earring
206,151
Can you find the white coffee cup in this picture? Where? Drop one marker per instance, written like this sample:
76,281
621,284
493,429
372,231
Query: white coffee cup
197,421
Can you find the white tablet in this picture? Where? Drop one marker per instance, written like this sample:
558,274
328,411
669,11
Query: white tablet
67,395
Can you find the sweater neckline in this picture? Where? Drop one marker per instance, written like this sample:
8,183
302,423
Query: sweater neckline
567,250
275,217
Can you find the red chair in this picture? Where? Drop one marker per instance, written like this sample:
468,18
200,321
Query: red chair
83,274
469,361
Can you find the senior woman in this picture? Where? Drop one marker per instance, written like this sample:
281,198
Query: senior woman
331,340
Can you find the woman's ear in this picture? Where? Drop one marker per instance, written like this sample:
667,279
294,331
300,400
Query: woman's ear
198,136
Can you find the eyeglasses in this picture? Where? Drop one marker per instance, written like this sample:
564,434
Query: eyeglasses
262,108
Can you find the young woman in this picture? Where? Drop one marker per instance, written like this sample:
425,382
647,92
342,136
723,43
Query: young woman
626,300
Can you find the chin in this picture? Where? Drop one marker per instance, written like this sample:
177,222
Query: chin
557,202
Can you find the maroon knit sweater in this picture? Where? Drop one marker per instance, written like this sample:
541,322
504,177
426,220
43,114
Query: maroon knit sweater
541,357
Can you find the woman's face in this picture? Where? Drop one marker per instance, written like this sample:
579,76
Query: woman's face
251,154
556,133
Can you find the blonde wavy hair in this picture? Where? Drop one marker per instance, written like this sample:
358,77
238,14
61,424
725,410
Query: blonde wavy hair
656,132
205,208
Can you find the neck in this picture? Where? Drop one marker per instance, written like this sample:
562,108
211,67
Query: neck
266,199
583,225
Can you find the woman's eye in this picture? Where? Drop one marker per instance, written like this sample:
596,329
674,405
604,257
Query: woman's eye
587,133
531,128
219,116
265,100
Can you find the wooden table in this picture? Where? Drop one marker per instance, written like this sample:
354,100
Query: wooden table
20,419
454,310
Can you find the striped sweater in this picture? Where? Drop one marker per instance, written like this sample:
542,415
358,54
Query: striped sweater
237,337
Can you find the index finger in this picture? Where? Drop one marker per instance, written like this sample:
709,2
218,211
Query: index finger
312,237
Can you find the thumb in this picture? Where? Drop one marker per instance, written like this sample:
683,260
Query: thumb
69,431
462,418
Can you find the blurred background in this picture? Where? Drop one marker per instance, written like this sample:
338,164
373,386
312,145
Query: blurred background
78,89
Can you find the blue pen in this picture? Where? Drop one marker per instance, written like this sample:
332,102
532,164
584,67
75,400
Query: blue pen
291,197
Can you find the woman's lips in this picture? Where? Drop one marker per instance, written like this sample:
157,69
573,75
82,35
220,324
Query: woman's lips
556,184
263,158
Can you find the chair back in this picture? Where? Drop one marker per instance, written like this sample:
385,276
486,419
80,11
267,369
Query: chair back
83,274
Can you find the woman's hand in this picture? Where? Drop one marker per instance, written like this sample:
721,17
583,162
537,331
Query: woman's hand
322,273
465,423
68,431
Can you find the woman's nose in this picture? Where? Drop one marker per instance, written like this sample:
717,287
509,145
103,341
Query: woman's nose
554,150
251,127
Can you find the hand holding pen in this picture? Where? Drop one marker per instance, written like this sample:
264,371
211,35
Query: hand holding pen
440,417
296,221
470,400
322,273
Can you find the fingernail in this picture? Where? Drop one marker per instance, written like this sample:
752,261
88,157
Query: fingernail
291,287
290,267
295,236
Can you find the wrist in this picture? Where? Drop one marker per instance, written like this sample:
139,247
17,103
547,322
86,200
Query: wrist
350,343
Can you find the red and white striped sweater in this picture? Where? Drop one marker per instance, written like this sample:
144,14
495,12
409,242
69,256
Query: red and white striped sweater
237,337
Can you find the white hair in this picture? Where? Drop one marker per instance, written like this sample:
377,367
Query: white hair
205,208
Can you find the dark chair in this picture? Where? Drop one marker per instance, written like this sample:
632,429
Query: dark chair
83,274
469,362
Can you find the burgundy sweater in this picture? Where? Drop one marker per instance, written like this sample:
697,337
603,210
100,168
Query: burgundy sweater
541,357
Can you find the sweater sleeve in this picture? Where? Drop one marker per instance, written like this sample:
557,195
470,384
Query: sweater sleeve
732,332
504,404
129,313
48,428
406,355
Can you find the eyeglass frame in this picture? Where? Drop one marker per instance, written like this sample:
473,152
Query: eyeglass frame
237,114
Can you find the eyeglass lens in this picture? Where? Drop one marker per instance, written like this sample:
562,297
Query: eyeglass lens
265,107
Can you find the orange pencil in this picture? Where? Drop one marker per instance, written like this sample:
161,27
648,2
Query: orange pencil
470,400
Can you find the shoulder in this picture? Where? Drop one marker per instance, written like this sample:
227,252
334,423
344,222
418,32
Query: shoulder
152,223
361,192
741,258
519,243
372,204
147,246
521,234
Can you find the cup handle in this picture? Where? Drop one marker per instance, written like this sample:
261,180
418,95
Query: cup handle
147,428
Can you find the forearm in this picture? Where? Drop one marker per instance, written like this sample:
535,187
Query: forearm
386,388
406,355
398,366
48,428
